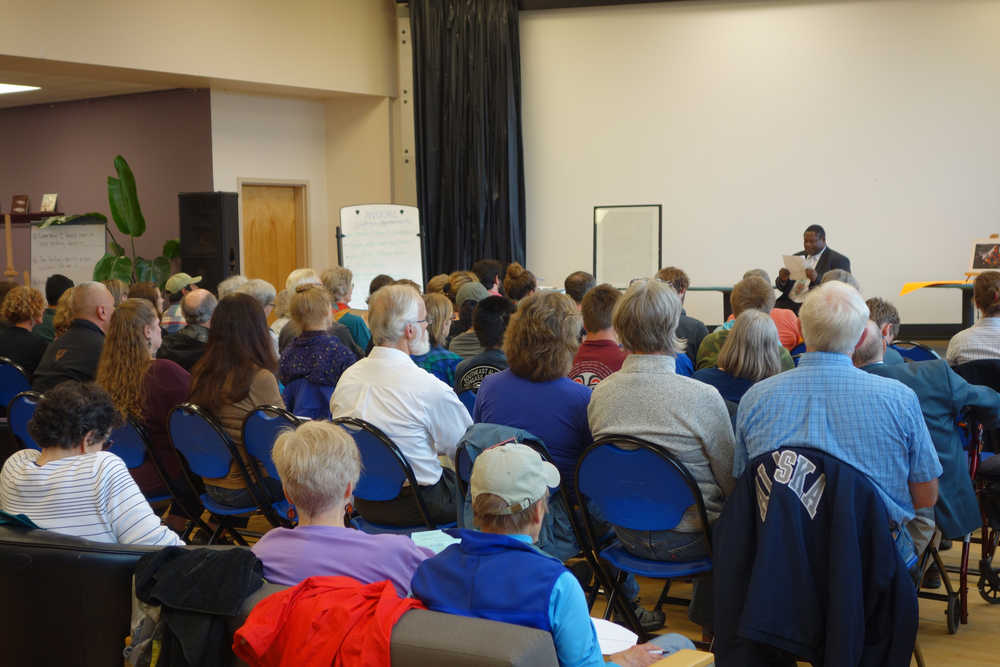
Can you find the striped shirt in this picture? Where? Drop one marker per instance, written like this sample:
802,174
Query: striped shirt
980,341
92,496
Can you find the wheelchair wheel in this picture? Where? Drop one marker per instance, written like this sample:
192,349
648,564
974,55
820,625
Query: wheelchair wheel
989,592
953,612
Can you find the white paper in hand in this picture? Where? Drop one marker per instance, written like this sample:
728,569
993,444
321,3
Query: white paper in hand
435,540
796,265
613,638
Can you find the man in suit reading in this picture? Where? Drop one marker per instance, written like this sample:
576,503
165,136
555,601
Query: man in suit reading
819,260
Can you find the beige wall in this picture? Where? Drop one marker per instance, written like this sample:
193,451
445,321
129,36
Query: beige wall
335,45
749,121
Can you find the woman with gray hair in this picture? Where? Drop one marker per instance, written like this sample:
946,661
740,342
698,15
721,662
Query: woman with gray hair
646,399
319,466
750,353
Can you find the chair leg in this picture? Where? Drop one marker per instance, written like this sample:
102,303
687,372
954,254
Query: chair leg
664,596
625,608
963,579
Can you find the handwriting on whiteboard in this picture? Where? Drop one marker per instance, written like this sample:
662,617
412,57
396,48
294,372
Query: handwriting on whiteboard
71,250
380,238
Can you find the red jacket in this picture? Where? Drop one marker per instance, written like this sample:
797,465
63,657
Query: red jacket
323,621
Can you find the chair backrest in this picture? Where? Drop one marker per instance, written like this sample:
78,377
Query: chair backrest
981,371
13,380
914,351
261,428
384,469
636,484
797,352
199,438
19,413
128,442
307,399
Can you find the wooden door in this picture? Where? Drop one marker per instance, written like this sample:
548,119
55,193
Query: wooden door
272,231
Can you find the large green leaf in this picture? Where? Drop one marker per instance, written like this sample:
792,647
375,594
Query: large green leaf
130,198
102,270
161,269
172,249
80,217
115,249
116,200
143,270
121,269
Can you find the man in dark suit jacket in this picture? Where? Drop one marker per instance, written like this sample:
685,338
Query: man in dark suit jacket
943,395
826,258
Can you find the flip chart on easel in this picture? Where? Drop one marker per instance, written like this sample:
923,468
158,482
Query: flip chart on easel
379,238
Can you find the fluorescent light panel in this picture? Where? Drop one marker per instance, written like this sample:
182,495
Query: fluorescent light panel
14,88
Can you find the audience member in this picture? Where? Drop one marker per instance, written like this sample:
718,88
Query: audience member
178,285
150,292
22,309
599,355
866,421
944,397
982,339
885,315
234,376
787,322
64,313
142,387
302,278
496,572
72,486
230,285
489,321
118,289
339,281
419,413
280,312
313,362
74,355
437,284
751,353
647,399
534,393
377,283
689,329
464,343
319,466
519,282
455,281
261,290
577,284
55,285
818,260
438,361
749,294
408,283
186,346
843,276
489,272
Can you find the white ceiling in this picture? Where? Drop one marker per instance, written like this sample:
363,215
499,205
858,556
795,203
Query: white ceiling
63,87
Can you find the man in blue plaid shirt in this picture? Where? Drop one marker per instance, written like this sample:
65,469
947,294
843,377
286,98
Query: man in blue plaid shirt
870,422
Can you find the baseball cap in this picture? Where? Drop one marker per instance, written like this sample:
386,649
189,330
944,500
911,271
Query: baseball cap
179,281
471,291
516,473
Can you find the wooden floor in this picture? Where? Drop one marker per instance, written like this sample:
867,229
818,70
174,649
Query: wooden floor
977,643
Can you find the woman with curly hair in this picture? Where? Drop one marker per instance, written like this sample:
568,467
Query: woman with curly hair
73,486
234,376
22,309
143,387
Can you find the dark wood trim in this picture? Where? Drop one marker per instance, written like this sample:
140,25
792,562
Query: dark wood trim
928,331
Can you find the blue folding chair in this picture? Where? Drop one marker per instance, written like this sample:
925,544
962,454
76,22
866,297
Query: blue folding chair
914,351
468,399
19,412
797,352
261,427
13,380
384,471
209,452
637,485
130,443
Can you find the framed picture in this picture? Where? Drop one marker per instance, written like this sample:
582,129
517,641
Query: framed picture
985,256
19,204
49,203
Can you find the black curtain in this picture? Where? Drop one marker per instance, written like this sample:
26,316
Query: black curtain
467,92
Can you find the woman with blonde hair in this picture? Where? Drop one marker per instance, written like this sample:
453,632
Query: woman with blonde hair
143,387
22,309
751,352
63,316
438,361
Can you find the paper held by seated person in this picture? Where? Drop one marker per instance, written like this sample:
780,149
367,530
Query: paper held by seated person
613,638
796,265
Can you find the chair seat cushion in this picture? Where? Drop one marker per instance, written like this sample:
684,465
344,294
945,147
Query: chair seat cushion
657,569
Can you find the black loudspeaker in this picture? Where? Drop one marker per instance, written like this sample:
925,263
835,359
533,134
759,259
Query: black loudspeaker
210,236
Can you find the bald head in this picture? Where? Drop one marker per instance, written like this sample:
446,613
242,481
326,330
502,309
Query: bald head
198,306
871,349
93,302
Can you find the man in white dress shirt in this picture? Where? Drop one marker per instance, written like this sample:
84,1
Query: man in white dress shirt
421,414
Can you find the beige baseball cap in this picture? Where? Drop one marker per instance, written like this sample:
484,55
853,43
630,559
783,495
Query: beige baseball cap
516,473
179,281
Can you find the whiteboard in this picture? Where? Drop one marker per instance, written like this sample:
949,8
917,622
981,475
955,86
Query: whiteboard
71,250
379,238
626,243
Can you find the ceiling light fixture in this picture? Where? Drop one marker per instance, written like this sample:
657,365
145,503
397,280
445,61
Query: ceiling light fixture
14,88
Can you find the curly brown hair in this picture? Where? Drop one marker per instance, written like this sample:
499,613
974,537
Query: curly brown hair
22,304
519,282
676,277
126,356
541,339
